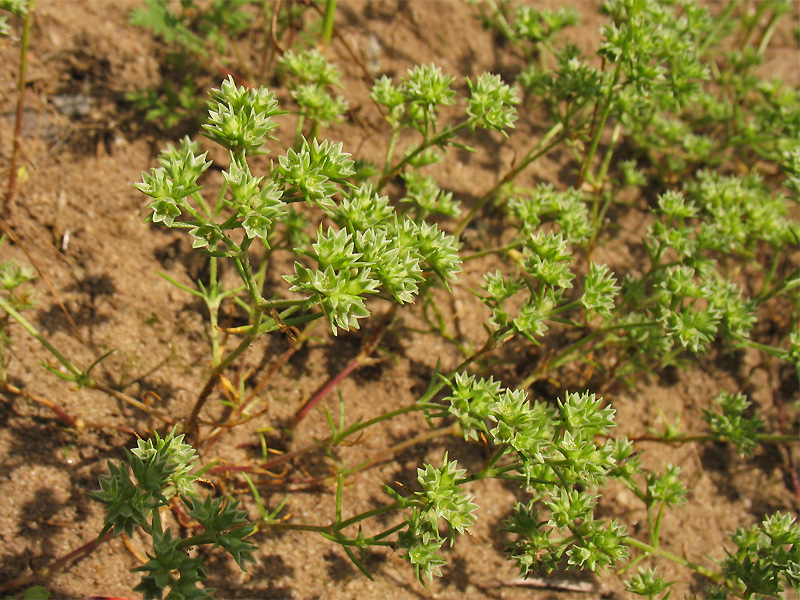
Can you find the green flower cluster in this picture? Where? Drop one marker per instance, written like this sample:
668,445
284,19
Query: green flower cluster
376,248
441,499
553,452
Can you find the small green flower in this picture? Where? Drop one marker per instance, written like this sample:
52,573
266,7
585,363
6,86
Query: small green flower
491,103
310,66
600,289
240,119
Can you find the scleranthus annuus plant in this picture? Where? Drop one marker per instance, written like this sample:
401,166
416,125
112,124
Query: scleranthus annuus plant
389,254
367,246
717,250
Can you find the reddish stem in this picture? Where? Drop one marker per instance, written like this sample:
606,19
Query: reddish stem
23,67
267,465
57,565
363,358
65,417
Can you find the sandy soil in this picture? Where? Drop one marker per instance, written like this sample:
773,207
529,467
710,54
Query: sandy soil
84,226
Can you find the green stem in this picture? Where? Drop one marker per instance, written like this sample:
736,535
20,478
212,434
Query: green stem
544,146
498,20
426,436
488,251
768,32
298,134
769,275
649,549
607,158
719,25
771,350
313,130
585,168
569,352
356,427
191,421
436,140
327,23
368,514
655,529
334,528
390,150
754,19
249,281
40,338
212,303
339,485
764,438
23,69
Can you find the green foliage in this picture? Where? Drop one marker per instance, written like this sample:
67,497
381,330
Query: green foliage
163,469
732,424
195,36
718,250
767,556
311,74
647,582
240,119
15,7
440,499
17,296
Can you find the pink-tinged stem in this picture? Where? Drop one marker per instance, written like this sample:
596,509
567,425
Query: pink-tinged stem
23,67
363,358
57,565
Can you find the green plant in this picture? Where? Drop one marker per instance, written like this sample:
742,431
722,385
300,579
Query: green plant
204,40
199,40
658,94
162,471
312,73
17,297
16,7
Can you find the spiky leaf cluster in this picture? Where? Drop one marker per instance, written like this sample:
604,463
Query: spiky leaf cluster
398,268
767,556
666,488
161,468
732,424
339,283
257,203
492,103
13,278
310,66
417,98
568,89
649,583
599,290
226,524
241,119
544,204
170,568
547,260
318,105
555,453
740,213
541,25
540,544
314,172
441,500
376,248
311,75
426,197
170,184
686,300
